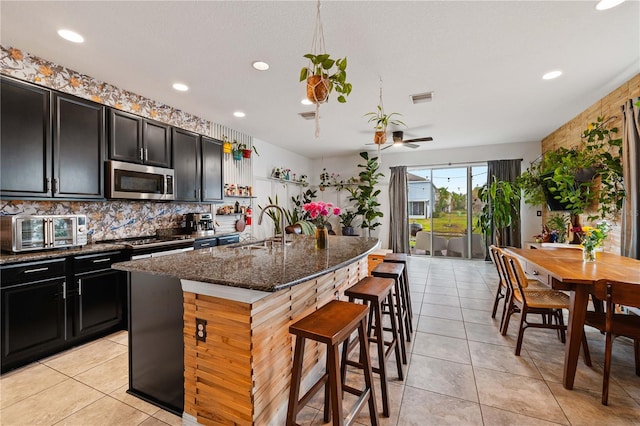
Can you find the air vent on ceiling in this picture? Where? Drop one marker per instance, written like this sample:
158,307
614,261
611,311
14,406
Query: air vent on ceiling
310,115
422,97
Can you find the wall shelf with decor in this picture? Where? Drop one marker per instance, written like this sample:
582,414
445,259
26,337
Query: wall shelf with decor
293,182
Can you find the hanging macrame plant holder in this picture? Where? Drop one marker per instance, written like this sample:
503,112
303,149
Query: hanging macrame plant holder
318,86
380,135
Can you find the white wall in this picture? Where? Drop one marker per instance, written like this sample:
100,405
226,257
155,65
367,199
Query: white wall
347,166
272,156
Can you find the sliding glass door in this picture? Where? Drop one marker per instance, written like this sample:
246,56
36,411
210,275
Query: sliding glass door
443,211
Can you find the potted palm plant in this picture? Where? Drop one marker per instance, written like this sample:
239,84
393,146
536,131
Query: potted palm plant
381,121
322,78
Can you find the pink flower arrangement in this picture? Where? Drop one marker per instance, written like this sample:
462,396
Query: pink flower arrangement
320,212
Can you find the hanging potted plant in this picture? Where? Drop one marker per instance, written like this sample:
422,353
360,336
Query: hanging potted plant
323,74
227,147
324,179
246,150
381,121
237,151
322,78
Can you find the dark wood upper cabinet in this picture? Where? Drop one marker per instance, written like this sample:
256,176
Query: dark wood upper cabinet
25,140
137,140
212,182
78,141
52,144
186,164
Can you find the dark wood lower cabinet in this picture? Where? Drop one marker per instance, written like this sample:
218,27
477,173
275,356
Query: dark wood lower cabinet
33,321
52,305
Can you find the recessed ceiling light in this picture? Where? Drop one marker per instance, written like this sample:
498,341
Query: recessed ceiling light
180,87
306,101
260,65
239,114
551,75
71,36
607,4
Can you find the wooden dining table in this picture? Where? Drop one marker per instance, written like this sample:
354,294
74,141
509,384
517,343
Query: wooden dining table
564,269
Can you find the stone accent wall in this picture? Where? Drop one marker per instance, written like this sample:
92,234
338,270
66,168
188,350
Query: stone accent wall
568,136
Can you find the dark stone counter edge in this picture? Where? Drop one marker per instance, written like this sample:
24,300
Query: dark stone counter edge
248,286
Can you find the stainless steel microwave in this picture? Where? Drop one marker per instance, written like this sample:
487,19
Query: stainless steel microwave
30,233
138,182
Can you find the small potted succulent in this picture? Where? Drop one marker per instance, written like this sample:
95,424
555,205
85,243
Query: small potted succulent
381,121
324,179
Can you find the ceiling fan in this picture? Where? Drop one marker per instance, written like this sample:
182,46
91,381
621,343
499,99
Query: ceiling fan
398,140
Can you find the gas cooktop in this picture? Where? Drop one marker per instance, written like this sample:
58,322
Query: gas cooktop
151,241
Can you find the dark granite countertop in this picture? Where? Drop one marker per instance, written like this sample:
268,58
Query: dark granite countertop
258,268
9,258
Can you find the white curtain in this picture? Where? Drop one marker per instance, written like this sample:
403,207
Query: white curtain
630,238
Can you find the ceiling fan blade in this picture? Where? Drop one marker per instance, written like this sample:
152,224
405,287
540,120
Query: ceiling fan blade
388,146
427,139
410,145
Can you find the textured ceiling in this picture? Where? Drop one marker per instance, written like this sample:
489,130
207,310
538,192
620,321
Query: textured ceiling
483,59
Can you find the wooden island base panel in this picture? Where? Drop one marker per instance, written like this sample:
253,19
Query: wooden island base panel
242,372
244,297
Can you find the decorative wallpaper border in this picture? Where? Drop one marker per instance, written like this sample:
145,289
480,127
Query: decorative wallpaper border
22,65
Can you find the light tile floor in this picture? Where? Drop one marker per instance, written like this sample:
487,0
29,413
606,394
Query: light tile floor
461,371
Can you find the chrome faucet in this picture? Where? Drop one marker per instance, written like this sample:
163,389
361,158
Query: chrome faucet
282,219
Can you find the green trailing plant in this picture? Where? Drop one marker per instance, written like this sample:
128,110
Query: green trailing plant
365,194
580,178
333,70
501,201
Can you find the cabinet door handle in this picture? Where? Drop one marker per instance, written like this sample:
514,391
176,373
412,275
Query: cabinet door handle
48,184
101,260
64,290
141,154
56,186
30,271
146,154
80,287
199,192
205,245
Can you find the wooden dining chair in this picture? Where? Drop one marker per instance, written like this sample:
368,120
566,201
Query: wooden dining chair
547,303
502,291
614,324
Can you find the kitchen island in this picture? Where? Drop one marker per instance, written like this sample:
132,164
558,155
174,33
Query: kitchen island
244,298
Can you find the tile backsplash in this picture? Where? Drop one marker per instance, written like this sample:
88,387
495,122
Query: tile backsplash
111,219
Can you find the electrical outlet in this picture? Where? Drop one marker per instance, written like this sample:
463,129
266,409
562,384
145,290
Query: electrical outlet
201,330
539,213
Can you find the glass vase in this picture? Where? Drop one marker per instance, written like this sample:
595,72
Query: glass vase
322,238
588,255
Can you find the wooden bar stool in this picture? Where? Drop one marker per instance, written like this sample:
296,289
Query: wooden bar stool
375,291
394,271
402,258
332,324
